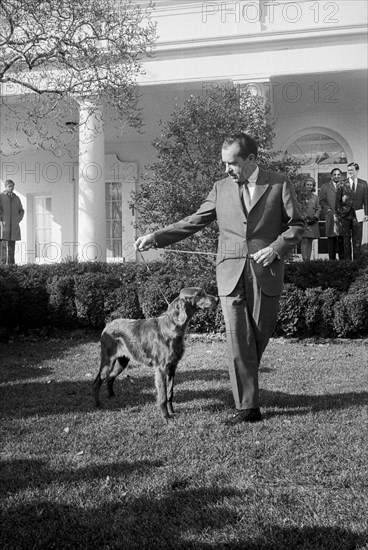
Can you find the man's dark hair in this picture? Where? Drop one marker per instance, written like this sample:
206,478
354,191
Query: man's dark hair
246,144
8,182
356,166
336,170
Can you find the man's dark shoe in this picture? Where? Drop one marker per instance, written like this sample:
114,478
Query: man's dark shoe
245,415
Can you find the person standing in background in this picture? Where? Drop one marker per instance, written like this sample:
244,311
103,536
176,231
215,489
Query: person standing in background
311,213
352,208
327,201
11,214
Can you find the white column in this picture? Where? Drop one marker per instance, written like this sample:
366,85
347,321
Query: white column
91,185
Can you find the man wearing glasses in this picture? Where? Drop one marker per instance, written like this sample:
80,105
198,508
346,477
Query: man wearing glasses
352,209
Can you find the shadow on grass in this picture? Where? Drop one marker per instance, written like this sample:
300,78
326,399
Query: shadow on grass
193,518
16,475
22,360
28,399
42,398
18,372
293,404
300,404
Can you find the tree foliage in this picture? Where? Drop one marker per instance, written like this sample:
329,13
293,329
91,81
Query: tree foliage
55,52
189,154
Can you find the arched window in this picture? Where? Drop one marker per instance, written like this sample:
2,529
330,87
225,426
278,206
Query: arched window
317,149
318,154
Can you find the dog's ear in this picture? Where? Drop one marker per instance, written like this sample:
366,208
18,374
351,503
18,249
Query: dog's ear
182,315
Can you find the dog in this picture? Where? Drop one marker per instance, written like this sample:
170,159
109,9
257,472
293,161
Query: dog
156,342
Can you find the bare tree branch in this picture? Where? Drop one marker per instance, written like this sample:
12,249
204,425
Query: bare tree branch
64,50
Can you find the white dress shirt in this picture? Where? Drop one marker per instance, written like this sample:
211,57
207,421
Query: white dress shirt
252,182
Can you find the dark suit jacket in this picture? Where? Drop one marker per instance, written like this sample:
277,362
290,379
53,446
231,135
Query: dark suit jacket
347,201
273,220
327,200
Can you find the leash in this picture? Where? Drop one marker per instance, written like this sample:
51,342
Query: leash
247,256
190,252
176,251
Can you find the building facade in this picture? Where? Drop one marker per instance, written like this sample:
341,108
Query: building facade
308,59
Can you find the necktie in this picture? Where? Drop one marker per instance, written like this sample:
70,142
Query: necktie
353,185
245,195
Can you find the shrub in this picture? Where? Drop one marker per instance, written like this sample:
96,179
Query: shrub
324,274
91,290
8,301
291,320
122,302
329,299
313,310
351,313
342,322
32,303
63,311
88,294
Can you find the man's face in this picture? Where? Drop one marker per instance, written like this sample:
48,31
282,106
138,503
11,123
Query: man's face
352,173
235,166
10,187
336,176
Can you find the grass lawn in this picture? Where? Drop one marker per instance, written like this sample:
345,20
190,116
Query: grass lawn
73,477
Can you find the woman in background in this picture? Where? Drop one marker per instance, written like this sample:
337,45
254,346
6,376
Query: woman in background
311,212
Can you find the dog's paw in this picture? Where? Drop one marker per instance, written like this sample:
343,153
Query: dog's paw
168,418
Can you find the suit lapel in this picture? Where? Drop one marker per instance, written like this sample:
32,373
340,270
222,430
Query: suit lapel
260,188
235,196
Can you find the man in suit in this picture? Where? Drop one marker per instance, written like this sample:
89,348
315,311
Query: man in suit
11,214
259,224
352,208
327,200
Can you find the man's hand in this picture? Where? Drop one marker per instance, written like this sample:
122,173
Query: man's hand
265,256
145,242
365,219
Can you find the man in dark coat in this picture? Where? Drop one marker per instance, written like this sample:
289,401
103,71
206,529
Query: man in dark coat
259,224
327,200
352,209
11,214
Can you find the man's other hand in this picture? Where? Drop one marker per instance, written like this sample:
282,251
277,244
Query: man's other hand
265,256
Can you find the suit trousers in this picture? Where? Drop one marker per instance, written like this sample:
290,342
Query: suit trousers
352,232
250,320
335,245
7,252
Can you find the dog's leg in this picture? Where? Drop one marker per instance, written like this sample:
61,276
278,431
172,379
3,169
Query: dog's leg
119,366
108,349
160,381
170,389
97,383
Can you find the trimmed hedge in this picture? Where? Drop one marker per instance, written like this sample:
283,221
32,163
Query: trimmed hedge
320,298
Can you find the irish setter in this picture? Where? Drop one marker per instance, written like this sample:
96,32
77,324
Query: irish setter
156,342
